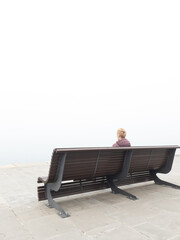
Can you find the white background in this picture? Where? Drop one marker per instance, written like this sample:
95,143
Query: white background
73,72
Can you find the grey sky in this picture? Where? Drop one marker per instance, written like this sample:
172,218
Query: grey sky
72,72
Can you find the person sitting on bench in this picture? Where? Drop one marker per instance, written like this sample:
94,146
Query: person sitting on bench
122,141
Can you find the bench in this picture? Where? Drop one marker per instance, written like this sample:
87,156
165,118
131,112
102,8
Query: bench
81,170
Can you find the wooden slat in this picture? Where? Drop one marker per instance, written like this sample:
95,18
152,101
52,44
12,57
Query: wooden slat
114,148
148,159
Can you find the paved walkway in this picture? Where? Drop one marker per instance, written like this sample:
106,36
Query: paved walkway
94,216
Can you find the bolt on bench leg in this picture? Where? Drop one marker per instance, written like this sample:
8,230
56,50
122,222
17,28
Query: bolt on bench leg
53,204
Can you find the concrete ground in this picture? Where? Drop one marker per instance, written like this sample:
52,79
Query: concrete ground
94,216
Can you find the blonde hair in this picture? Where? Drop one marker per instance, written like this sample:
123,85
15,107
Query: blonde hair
121,133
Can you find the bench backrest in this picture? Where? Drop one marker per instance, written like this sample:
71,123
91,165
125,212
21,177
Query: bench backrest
86,163
149,158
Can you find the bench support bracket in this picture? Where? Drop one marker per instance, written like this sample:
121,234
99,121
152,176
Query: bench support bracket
117,190
165,169
161,182
55,187
121,176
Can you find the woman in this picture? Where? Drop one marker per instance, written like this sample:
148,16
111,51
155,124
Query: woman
122,141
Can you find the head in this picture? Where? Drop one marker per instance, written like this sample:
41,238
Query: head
121,133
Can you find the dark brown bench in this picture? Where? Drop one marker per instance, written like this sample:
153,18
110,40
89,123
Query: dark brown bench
80,170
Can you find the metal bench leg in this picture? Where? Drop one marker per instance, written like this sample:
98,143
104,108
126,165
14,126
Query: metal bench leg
117,190
55,187
53,204
121,176
161,182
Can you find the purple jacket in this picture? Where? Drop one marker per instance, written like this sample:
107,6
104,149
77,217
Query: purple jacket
122,143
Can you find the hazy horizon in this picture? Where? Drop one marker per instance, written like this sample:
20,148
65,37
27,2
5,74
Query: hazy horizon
72,73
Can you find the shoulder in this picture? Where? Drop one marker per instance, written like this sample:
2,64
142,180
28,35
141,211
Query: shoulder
124,143
127,142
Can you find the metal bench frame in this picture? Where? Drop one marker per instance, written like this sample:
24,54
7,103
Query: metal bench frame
111,179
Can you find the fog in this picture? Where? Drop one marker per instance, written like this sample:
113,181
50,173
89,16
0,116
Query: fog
73,72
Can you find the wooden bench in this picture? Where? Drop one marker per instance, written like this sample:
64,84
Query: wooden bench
80,170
